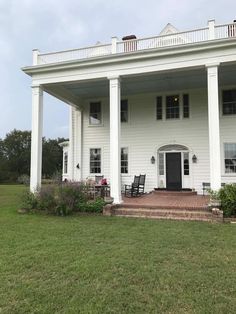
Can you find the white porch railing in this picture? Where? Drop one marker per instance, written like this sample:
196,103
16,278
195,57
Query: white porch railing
211,32
74,54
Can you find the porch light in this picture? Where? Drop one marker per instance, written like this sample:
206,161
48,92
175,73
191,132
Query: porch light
194,159
153,160
77,166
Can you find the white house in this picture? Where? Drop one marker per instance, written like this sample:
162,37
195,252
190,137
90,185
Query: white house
163,106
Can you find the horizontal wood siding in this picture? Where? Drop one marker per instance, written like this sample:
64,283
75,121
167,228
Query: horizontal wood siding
143,135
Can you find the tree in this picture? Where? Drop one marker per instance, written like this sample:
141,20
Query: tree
15,152
52,157
16,149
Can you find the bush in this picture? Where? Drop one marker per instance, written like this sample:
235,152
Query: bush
46,199
29,200
227,196
95,206
62,200
70,197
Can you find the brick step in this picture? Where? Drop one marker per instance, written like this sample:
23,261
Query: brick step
174,193
175,214
165,207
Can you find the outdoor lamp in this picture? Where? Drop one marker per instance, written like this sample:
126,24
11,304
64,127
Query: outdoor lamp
153,160
77,166
194,159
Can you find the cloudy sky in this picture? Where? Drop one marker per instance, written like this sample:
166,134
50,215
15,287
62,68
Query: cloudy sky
51,25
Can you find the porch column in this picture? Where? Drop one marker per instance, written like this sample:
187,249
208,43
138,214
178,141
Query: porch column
115,139
36,139
78,144
71,154
213,125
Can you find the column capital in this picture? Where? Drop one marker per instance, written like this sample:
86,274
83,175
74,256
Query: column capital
37,90
114,77
212,65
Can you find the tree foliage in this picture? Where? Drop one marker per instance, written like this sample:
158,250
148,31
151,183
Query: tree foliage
15,152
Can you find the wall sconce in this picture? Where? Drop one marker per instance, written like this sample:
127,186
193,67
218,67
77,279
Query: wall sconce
194,159
153,160
77,166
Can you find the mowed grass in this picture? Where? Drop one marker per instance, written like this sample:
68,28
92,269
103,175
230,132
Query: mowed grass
95,264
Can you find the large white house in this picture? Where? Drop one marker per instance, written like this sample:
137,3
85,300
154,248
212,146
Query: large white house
163,106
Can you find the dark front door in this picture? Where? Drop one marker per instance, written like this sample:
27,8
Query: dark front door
173,171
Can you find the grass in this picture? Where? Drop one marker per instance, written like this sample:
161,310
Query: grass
95,264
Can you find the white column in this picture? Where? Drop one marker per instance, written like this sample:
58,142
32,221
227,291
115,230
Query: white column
213,125
211,26
36,139
115,139
71,164
78,145
114,44
35,56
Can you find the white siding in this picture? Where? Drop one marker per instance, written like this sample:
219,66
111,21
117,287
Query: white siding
143,135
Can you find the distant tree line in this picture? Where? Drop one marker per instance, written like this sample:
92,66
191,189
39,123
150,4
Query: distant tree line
15,156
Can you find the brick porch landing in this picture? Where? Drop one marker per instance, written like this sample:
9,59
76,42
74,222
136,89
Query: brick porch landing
168,200
166,205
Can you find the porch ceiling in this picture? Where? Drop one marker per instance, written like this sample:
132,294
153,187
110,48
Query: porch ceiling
131,85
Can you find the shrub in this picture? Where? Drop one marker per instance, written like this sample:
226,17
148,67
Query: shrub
95,206
227,196
29,200
63,200
46,199
71,195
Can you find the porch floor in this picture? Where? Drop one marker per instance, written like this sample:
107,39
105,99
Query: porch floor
167,200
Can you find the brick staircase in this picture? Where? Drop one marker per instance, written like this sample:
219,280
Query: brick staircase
155,212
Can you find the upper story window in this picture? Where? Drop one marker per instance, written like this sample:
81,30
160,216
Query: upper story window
172,107
95,113
65,162
159,108
124,160
95,160
230,157
229,102
124,111
185,106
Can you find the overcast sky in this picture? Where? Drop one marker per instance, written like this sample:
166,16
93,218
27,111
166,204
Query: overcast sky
51,25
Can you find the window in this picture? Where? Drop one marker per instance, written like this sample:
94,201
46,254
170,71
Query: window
95,160
185,106
159,108
172,107
95,116
65,162
230,157
124,160
161,164
229,102
186,164
124,111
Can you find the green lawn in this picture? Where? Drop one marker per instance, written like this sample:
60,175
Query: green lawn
95,264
